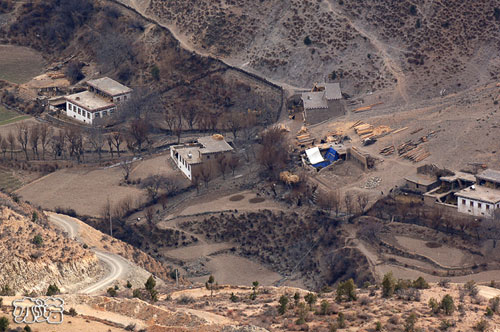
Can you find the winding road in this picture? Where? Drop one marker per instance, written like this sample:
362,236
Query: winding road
118,266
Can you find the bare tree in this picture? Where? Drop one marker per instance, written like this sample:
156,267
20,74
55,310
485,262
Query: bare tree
34,138
58,144
109,140
163,200
234,162
362,201
329,201
97,140
213,120
173,118
112,50
23,137
126,166
234,122
170,184
273,153
204,120
107,215
170,119
250,121
4,145
149,214
152,184
140,105
348,203
190,115
12,144
206,174
74,137
335,200
222,164
139,131
196,180
45,134
117,141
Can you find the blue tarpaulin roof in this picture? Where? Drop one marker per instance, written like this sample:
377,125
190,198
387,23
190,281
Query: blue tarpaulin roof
331,155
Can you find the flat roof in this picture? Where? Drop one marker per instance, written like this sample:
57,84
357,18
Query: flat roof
332,90
421,179
314,100
109,86
89,101
213,144
459,176
480,193
57,100
489,175
186,151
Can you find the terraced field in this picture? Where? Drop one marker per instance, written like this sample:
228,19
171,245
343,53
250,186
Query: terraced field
7,117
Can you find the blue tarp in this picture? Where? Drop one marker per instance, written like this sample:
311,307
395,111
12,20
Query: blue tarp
330,156
322,164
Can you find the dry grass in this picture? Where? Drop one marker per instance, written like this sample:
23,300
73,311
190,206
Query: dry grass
19,64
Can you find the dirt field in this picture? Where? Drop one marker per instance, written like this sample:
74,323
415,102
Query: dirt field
10,124
234,270
84,190
155,165
405,273
225,203
87,190
19,64
444,255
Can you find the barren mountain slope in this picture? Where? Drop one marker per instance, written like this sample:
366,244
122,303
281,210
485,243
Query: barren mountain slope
32,255
236,309
422,45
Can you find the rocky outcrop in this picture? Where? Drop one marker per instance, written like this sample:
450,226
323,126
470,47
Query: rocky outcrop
33,256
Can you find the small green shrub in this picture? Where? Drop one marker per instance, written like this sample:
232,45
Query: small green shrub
52,290
37,240
111,291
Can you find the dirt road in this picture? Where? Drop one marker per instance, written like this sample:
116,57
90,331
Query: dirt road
118,267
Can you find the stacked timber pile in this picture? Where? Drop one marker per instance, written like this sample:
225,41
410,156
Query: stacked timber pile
304,137
336,136
366,108
413,151
365,130
388,150
416,154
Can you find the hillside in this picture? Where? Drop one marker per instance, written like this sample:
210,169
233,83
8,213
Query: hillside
419,47
102,38
240,309
33,255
